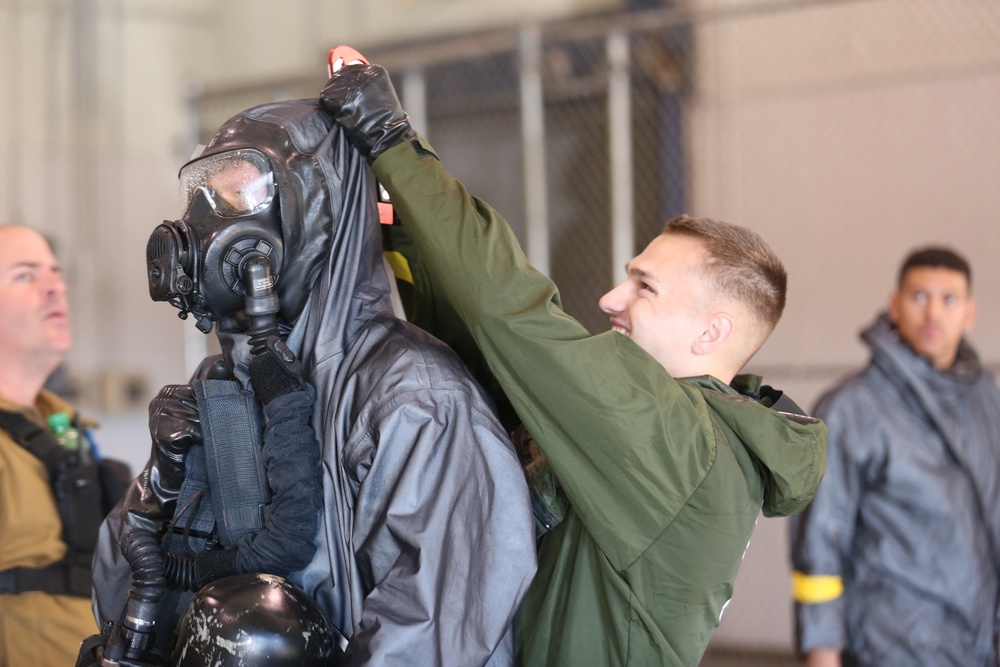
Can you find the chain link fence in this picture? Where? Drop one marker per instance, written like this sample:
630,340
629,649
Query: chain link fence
845,131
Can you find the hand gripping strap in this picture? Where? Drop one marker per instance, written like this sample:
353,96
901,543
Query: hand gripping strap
223,491
233,435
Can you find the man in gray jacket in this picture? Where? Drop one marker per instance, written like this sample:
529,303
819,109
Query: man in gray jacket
896,560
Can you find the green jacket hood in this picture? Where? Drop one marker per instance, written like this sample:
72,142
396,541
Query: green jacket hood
788,449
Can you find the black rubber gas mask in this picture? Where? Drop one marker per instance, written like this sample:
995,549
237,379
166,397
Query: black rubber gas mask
199,263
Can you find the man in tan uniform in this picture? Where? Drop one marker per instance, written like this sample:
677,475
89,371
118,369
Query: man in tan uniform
42,619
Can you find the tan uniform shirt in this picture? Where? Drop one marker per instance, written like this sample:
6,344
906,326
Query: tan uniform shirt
36,629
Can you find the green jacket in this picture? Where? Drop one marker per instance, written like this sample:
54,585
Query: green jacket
665,477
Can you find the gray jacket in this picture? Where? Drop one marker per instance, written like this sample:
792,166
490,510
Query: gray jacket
907,515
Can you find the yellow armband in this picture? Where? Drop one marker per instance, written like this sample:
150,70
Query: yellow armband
814,589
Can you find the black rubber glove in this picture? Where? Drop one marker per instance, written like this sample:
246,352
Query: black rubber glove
363,102
275,371
175,425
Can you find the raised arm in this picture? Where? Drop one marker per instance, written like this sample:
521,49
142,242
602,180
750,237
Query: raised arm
585,398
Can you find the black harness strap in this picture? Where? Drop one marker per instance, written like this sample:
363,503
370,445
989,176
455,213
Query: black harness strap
225,489
60,578
77,491
232,433
37,440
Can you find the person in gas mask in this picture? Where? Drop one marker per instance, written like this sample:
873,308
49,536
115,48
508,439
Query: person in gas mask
424,546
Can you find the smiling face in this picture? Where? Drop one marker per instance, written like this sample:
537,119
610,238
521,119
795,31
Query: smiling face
34,317
664,304
932,310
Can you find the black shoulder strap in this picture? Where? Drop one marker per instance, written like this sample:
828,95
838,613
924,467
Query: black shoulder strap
232,434
78,498
225,487
36,439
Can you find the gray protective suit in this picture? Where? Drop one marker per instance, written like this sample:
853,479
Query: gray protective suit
907,515
425,546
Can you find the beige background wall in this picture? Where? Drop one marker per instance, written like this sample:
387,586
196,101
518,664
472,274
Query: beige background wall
848,134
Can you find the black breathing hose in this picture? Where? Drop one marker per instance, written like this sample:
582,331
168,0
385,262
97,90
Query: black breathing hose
260,301
134,636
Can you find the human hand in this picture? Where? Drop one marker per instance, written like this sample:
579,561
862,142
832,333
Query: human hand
275,371
823,657
363,101
175,425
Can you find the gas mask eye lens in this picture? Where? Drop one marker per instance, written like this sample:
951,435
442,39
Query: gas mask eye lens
241,188
235,183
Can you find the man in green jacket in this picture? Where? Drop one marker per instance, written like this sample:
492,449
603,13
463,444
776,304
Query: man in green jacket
665,476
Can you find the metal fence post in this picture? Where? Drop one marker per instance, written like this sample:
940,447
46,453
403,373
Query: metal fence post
533,148
620,152
415,99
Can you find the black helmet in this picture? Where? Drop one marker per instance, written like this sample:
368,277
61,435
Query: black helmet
253,620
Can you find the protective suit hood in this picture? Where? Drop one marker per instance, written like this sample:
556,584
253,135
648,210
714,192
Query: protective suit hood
407,436
323,196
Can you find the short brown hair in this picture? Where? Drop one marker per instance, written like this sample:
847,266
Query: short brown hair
935,257
740,265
